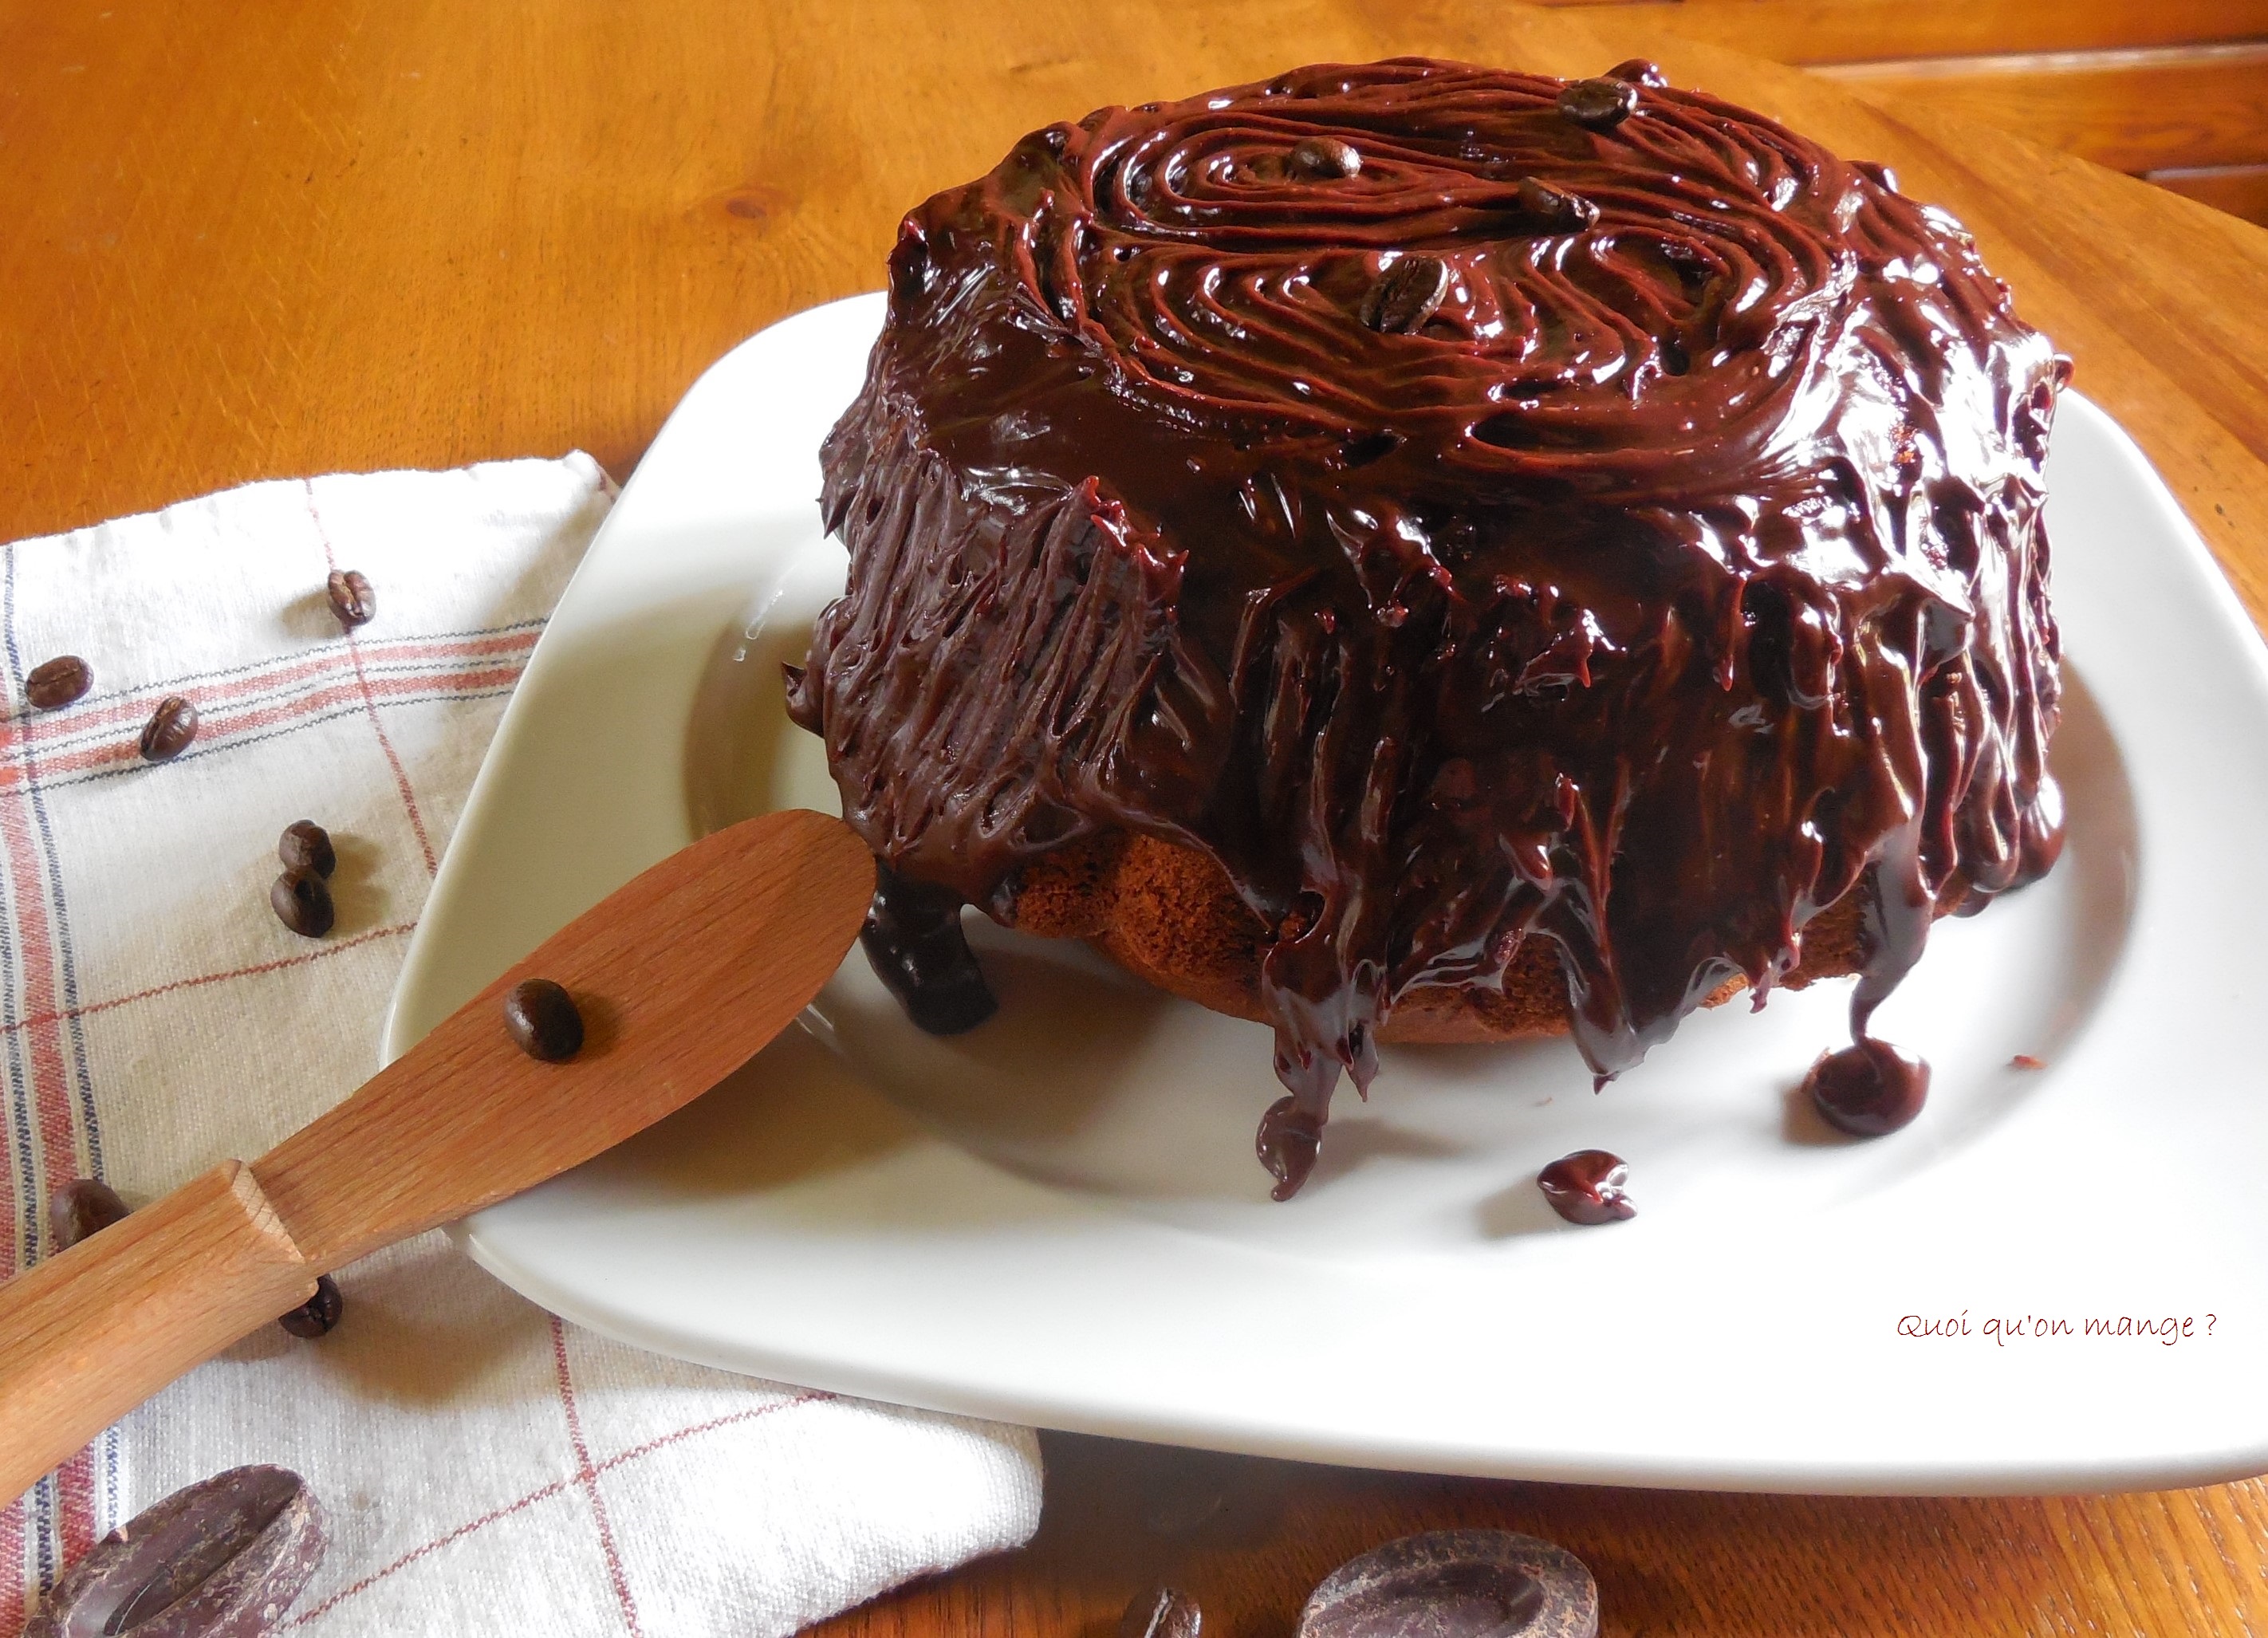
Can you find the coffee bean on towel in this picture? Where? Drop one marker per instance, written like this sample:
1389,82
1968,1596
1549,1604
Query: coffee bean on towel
1465,1583
1599,105
302,902
306,845
223,1559
79,1208
543,1020
1324,158
351,598
1161,1612
169,730
1406,295
319,1313
57,682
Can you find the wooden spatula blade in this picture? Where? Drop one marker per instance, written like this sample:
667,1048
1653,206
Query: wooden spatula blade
681,976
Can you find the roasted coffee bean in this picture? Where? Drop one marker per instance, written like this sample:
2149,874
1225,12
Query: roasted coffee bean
79,1208
1553,211
1599,105
543,1020
57,682
1406,295
1587,1187
1456,1584
169,730
1324,158
1161,1613
319,1313
1640,71
223,1559
302,902
306,845
351,598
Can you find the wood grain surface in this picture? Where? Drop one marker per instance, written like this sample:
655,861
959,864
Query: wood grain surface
681,975
1858,31
297,237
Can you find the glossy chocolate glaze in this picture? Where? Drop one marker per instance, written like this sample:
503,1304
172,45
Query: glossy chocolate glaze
1679,571
1868,1088
1587,1187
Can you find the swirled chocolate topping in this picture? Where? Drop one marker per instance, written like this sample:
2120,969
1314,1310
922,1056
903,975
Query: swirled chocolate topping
1471,507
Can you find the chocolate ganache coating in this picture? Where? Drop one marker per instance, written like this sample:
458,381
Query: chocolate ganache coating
1625,532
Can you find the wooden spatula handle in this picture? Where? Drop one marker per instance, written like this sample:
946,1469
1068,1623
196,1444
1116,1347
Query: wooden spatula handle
87,1336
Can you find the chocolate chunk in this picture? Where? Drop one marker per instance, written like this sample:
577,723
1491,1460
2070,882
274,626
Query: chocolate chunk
223,1559
319,1313
1325,157
306,845
1867,1088
169,730
1587,1187
1161,1612
57,682
1599,105
1456,1584
1406,295
1552,210
80,1207
543,1020
302,902
1640,71
351,598
913,942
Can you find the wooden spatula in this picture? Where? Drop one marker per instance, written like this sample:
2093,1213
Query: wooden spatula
681,976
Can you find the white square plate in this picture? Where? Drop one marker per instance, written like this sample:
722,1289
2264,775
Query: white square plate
1056,1219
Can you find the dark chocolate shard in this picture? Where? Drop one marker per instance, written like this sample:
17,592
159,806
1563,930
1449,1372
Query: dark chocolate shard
1456,1584
223,1559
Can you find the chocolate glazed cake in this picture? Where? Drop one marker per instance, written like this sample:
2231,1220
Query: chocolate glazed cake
1412,550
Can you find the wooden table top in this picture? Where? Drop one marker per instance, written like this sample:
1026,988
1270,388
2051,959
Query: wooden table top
267,238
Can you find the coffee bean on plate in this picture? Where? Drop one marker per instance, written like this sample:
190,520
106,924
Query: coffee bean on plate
302,902
1324,158
1599,104
352,601
1587,1187
543,1020
57,682
223,1559
306,845
169,730
1456,1584
1406,295
319,1313
1161,1612
83,1206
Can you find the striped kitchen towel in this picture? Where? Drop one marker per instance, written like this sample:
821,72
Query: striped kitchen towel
485,1468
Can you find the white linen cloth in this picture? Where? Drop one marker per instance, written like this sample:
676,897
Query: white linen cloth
486,1468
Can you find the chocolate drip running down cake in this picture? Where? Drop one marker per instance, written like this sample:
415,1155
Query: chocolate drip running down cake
1414,552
